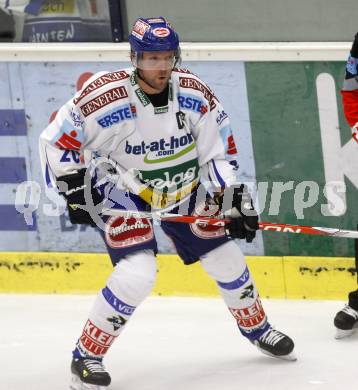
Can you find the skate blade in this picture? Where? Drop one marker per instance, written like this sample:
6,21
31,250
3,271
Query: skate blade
77,384
340,333
291,357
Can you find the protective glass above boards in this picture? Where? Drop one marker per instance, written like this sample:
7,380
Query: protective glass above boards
61,21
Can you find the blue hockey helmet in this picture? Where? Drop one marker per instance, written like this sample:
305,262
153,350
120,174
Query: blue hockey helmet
153,34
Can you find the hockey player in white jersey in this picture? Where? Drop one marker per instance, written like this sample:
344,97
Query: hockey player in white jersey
163,127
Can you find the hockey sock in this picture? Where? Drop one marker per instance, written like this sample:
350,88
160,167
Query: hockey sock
129,284
227,265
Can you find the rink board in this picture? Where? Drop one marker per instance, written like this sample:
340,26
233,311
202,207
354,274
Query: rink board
284,114
276,277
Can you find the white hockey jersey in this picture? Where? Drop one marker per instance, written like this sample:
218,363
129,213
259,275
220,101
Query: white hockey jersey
169,148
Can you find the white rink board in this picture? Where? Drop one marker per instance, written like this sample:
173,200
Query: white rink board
174,343
191,51
49,86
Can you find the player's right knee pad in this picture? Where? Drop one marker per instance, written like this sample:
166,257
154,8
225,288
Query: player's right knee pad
133,277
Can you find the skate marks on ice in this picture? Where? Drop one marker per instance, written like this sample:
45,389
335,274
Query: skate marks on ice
176,344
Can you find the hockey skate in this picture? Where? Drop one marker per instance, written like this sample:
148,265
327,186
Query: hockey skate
88,374
276,344
346,322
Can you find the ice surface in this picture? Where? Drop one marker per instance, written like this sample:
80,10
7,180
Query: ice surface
174,344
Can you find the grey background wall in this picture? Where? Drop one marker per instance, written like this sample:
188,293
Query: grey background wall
254,20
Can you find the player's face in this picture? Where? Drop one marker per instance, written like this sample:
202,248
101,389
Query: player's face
156,68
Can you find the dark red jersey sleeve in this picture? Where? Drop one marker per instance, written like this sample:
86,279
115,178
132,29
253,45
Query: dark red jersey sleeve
350,106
